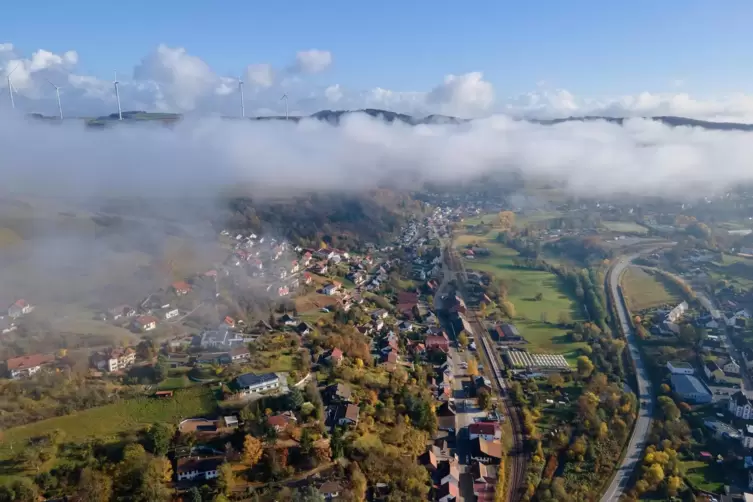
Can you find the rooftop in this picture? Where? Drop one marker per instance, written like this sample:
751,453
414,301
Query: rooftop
687,384
252,380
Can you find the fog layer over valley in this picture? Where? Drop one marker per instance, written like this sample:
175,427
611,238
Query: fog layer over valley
199,158
101,214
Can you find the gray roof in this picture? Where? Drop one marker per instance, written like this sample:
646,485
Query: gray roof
687,384
252,380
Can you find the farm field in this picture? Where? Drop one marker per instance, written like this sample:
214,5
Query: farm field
107,422
738,270
536,320
644,290
624,226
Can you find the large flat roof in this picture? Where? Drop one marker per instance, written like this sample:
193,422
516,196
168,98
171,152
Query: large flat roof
688,384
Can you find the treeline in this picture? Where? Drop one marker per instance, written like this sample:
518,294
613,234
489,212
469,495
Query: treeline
341,221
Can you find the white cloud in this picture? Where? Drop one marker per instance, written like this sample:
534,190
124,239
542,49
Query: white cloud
463,94
184,78
262,75
333,93
313,61
172,79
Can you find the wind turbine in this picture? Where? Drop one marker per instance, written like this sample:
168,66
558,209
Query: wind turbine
243,102
57,93
285,97
10,87
117,96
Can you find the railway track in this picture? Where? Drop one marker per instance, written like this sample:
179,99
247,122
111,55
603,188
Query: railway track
517,456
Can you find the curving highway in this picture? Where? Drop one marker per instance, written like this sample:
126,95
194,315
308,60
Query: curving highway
634,451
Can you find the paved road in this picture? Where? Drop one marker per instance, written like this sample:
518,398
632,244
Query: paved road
634,452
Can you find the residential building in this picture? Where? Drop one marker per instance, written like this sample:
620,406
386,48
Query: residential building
330,490
680,368
440,342
337,393
713,371
690,389
221,338
740,405
747,439
115,359
190,468
484,481
168,314
304,329
508,332
486,430
280,421
429,460
335,357
122,311
748,357
731,367
676,313
25,366
19,308
488,452
347,414
448,492
240,353
145,323
329,289
181,288
250,383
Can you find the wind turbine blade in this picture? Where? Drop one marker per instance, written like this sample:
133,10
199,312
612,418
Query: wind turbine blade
14,69
50,82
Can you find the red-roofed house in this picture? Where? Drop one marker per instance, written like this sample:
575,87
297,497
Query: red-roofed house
229,321
181,288
440,342
336,356
484,481
406,300
306,278
485,430
19,308
448,492
211,273
294,267
281,421
145,323
27,365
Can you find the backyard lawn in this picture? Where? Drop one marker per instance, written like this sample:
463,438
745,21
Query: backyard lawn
645,290
627,227
107,422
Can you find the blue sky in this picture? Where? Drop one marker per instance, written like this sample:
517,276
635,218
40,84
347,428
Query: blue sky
547,58
591,47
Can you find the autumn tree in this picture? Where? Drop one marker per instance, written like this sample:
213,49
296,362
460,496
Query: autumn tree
93,486
226,479
472,367
506,220
508,308
669,408
358,482
463,339
484,399
585,366
252,450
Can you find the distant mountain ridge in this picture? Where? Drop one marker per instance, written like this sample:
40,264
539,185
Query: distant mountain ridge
335,116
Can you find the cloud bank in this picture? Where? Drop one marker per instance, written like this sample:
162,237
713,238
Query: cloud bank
202,157
171,79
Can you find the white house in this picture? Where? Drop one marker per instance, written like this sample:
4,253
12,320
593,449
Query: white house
676,313
747,438
190,468
250,383
489,431
740,406
115,359
680,368
731,367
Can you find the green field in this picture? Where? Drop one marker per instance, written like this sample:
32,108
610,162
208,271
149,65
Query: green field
738,270
705,476
645,290
534,319
107,422
627,227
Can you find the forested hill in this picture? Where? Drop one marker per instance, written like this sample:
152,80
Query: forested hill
334,117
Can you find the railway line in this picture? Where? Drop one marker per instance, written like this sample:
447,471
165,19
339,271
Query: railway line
517,456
